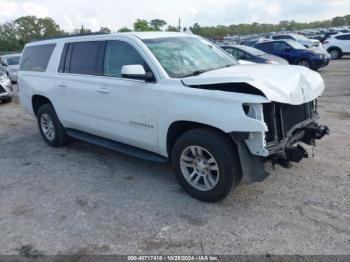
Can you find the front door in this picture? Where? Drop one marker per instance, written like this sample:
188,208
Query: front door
127,108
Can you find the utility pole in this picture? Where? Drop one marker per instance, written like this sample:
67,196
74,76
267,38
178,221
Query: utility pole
179,26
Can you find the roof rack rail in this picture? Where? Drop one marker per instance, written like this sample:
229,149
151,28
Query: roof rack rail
68,36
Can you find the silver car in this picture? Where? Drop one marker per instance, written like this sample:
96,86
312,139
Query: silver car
6,90
9,64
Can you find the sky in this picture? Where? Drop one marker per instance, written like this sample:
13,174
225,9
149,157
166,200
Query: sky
72,14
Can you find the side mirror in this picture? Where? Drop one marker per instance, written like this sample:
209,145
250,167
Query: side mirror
136,72
3,64
288,49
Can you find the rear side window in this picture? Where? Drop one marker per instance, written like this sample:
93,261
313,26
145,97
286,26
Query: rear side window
36,58
267,47
119,54
278,37
343,37
85,58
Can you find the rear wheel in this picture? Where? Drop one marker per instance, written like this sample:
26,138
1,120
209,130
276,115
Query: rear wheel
335,53
206,164
6,100
50,127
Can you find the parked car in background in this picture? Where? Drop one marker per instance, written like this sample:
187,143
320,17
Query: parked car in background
338,45
295,53
247,53
172,97
6,91
250,42
299,38
10,65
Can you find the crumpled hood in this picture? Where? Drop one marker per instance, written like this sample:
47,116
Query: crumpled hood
287,84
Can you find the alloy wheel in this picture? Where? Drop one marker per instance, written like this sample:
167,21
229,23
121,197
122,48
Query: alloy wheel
47,127
199,168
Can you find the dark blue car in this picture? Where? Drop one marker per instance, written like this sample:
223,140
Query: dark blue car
247,53
295,53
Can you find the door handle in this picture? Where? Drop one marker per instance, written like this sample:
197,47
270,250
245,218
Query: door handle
62,85
104,90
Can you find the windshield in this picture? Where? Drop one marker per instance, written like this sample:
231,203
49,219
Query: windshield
13,60
187,56
251,50
295,44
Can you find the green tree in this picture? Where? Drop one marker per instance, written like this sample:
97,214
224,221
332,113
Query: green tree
338,21
105,30
157,24
142,25
29,28
171,28
8,38
124,29
196,28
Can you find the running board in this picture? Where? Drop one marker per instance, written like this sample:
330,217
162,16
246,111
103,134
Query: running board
116,146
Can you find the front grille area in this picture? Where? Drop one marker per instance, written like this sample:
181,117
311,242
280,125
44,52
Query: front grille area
2,90
281,118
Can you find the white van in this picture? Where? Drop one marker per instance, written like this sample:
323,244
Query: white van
172,97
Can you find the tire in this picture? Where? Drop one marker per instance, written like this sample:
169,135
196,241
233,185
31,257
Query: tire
212,186
50,127
305,62
335,53
6,100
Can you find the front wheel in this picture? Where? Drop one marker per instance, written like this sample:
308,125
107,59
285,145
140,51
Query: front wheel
6,100
206,164
305,62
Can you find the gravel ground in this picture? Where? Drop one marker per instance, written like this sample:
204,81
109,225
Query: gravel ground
83,199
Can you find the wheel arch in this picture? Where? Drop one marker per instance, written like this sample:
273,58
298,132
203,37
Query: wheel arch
334,47
341,53
38,101
178,128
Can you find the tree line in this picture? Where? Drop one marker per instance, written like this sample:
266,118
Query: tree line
15,34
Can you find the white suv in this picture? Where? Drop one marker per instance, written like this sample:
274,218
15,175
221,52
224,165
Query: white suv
338,45
172,97
310,43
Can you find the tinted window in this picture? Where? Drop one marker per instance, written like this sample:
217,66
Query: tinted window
234,52
280,46
278,37
119,54
343,37
85,58
36,58
267,47
13,60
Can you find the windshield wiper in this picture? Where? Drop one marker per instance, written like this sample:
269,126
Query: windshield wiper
199,72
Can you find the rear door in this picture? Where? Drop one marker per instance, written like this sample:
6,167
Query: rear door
344,41
77,85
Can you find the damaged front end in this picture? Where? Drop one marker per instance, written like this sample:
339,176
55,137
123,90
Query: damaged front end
288,126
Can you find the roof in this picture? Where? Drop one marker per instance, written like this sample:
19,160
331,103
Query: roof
140,35
152,35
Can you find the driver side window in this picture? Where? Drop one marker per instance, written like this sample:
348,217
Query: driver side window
119,54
